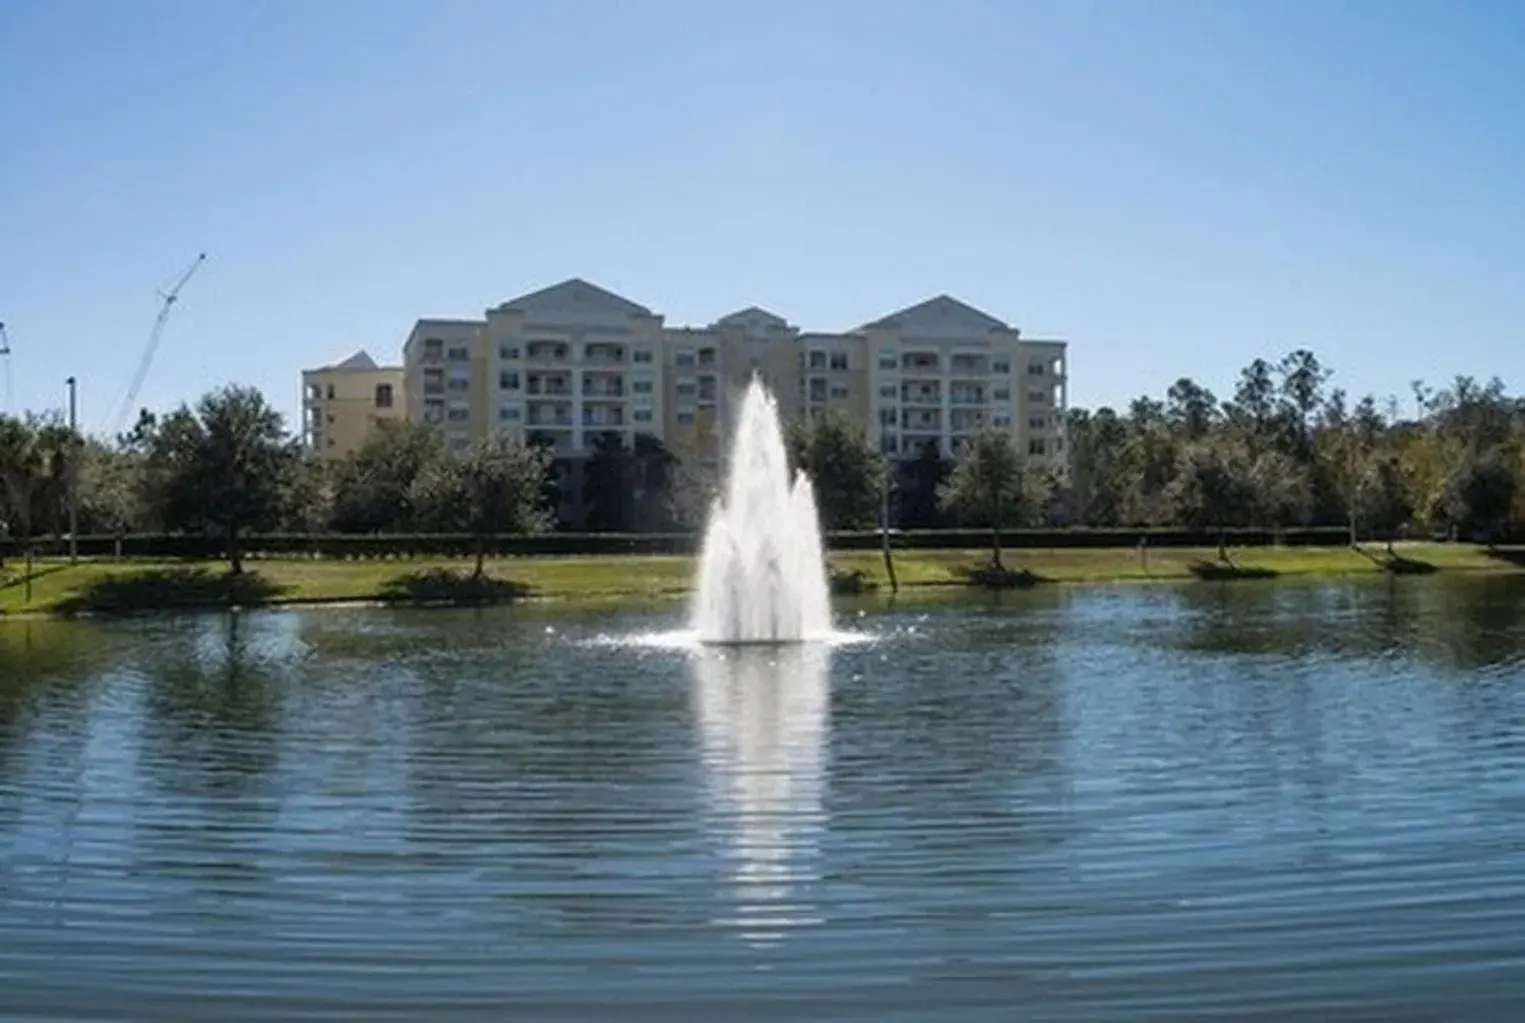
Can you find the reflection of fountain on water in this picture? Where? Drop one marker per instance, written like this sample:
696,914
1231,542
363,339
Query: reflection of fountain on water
763,718
762,578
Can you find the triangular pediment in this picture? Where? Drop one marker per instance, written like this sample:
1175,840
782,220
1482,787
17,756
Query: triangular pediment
360,361
574,293
753,318
943,313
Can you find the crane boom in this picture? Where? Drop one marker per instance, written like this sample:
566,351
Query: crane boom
5,354
169,297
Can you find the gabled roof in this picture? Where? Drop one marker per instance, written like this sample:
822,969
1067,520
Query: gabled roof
574,291
943,310
361,361
752,314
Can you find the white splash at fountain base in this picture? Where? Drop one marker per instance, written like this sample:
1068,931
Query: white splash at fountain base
762,576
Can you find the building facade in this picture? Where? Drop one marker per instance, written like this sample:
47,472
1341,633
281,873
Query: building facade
343,402
573,362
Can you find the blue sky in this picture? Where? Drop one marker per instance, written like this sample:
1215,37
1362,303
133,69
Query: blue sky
1175,188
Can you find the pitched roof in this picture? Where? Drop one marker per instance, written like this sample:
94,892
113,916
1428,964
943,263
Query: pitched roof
750,314
361,360
941,309
575,290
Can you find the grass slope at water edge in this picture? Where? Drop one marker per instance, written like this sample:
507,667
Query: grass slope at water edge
111,585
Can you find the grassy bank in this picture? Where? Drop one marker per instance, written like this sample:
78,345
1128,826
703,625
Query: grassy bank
57,587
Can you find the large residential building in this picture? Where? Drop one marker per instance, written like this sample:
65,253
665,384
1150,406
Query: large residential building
341,403
573,361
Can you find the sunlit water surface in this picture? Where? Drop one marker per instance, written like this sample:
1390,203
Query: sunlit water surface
1224,802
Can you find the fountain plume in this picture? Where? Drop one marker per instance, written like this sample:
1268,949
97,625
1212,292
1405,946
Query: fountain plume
762,577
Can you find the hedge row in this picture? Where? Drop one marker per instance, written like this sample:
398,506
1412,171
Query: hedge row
341,545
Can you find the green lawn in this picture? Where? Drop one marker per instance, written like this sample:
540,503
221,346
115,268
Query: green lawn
57,586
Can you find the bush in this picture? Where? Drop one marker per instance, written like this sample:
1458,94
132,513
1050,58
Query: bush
196,547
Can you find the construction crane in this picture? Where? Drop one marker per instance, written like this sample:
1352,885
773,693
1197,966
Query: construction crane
5,356
169,298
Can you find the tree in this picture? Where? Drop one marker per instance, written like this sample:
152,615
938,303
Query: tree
988,486
1384,497
22,466
608,484
918,487
373,486
1279,490
845,469
1212,490
1099,479
1479,493
656,470
494,486
1191,408
110,495
307,495
221,467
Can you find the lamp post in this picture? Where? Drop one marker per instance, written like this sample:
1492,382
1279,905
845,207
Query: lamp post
73,471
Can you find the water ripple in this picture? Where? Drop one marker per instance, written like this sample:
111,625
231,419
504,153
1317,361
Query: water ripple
1103,805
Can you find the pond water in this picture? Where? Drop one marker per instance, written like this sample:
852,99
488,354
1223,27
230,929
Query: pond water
1209,801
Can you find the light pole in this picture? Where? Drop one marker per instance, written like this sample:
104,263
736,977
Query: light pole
73,471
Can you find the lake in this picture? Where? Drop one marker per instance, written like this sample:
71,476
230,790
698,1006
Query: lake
1206,801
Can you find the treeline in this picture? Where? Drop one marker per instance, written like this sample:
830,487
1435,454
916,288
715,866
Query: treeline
1285,450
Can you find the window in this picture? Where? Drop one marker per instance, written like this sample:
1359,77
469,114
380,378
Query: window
839,361
1037,423
383,395
818,389
888,391
1035,369
1000,419
508,380
839,390
888,417
508,353
641,385
817,359
685,418
459,353
642,415
433,347
331,394
509,413
706,356
684,357
686,388
640,355
1000,366
460,383
1036,397
458,414
887,361
1001,394
1036,446
889,445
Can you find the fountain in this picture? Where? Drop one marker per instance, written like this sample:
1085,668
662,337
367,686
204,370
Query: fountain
762,578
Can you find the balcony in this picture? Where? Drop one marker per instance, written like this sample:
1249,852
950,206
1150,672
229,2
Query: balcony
967,396
922,395
603,417
970,365
554,385
918,362
548,417
603,387
600,354
547,351
965,421
911,422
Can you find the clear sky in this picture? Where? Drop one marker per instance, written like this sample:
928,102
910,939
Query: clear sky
1174,187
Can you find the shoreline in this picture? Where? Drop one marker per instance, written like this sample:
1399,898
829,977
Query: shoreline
111,588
